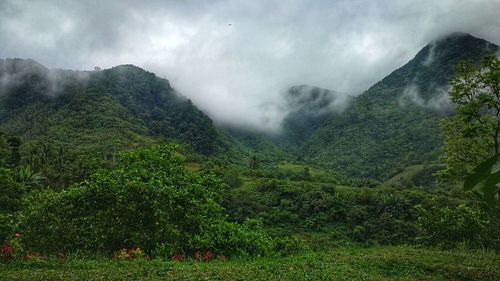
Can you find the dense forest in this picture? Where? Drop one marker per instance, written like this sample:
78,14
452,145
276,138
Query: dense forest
115,164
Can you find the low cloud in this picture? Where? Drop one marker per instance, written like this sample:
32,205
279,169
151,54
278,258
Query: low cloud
315,101
439,101
16,73
235,59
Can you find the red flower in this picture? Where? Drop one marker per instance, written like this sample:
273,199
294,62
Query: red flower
197,256
178,258
208,256
6,249
18,234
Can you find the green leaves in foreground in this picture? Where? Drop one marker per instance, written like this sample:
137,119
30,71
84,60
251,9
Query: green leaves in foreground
148,200
485,174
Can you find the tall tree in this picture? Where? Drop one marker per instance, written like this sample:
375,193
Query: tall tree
472,135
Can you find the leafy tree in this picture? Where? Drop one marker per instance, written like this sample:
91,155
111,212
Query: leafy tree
148,200
448,227
472,135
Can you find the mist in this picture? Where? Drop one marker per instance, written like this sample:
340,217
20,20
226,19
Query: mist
440,100
236,60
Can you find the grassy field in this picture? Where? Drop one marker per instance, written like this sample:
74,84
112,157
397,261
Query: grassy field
297,168
378,263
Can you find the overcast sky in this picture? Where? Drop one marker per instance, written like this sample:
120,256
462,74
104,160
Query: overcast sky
235,59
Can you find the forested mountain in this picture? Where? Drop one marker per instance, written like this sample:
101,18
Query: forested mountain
308,107
395,123
75,114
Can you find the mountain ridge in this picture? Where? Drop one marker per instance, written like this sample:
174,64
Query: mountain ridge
394,123
377,135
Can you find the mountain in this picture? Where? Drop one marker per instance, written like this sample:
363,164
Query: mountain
395,123
392,125
96,112
309,107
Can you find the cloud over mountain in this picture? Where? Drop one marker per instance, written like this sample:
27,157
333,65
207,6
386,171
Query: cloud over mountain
236,59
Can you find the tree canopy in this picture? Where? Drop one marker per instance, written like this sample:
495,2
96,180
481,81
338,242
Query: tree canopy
471,137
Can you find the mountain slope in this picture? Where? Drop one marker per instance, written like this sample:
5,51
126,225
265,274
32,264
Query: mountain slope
309,108
395,123
96,112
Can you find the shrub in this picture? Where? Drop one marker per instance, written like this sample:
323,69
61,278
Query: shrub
149,198
6,226
449,227
230,239
290,245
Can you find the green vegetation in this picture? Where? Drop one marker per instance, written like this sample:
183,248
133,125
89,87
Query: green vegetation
471,136
112,175
395,123
377,263
71,122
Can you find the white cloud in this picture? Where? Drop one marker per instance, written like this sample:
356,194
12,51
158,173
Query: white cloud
235,59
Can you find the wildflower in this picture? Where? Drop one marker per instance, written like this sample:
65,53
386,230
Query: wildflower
178,258
18,234
208,256
197,256
6,250
222,258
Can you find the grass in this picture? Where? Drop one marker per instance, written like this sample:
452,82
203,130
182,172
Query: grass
297,168
378,263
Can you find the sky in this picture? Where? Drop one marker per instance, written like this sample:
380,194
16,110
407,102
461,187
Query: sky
236,59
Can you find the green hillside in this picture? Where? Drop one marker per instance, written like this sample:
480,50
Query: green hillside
111,174
82,114
395,123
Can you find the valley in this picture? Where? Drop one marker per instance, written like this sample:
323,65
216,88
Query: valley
113,174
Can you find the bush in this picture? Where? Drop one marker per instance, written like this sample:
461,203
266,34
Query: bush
229,239
10,203
290,245
6,226
149,198
449,227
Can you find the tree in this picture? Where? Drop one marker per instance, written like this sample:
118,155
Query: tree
254,163
472,135
148,198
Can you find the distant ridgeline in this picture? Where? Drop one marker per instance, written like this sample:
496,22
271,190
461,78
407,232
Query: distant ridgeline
88,112
393,124
121,105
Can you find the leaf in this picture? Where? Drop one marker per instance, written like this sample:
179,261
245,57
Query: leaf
481,172
490,188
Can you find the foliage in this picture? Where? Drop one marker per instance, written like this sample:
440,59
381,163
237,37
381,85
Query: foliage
232,239
488,178
63,117
371,216
376,263
129,254
378,127
148,198
449,227
472,135
11,195
290,245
